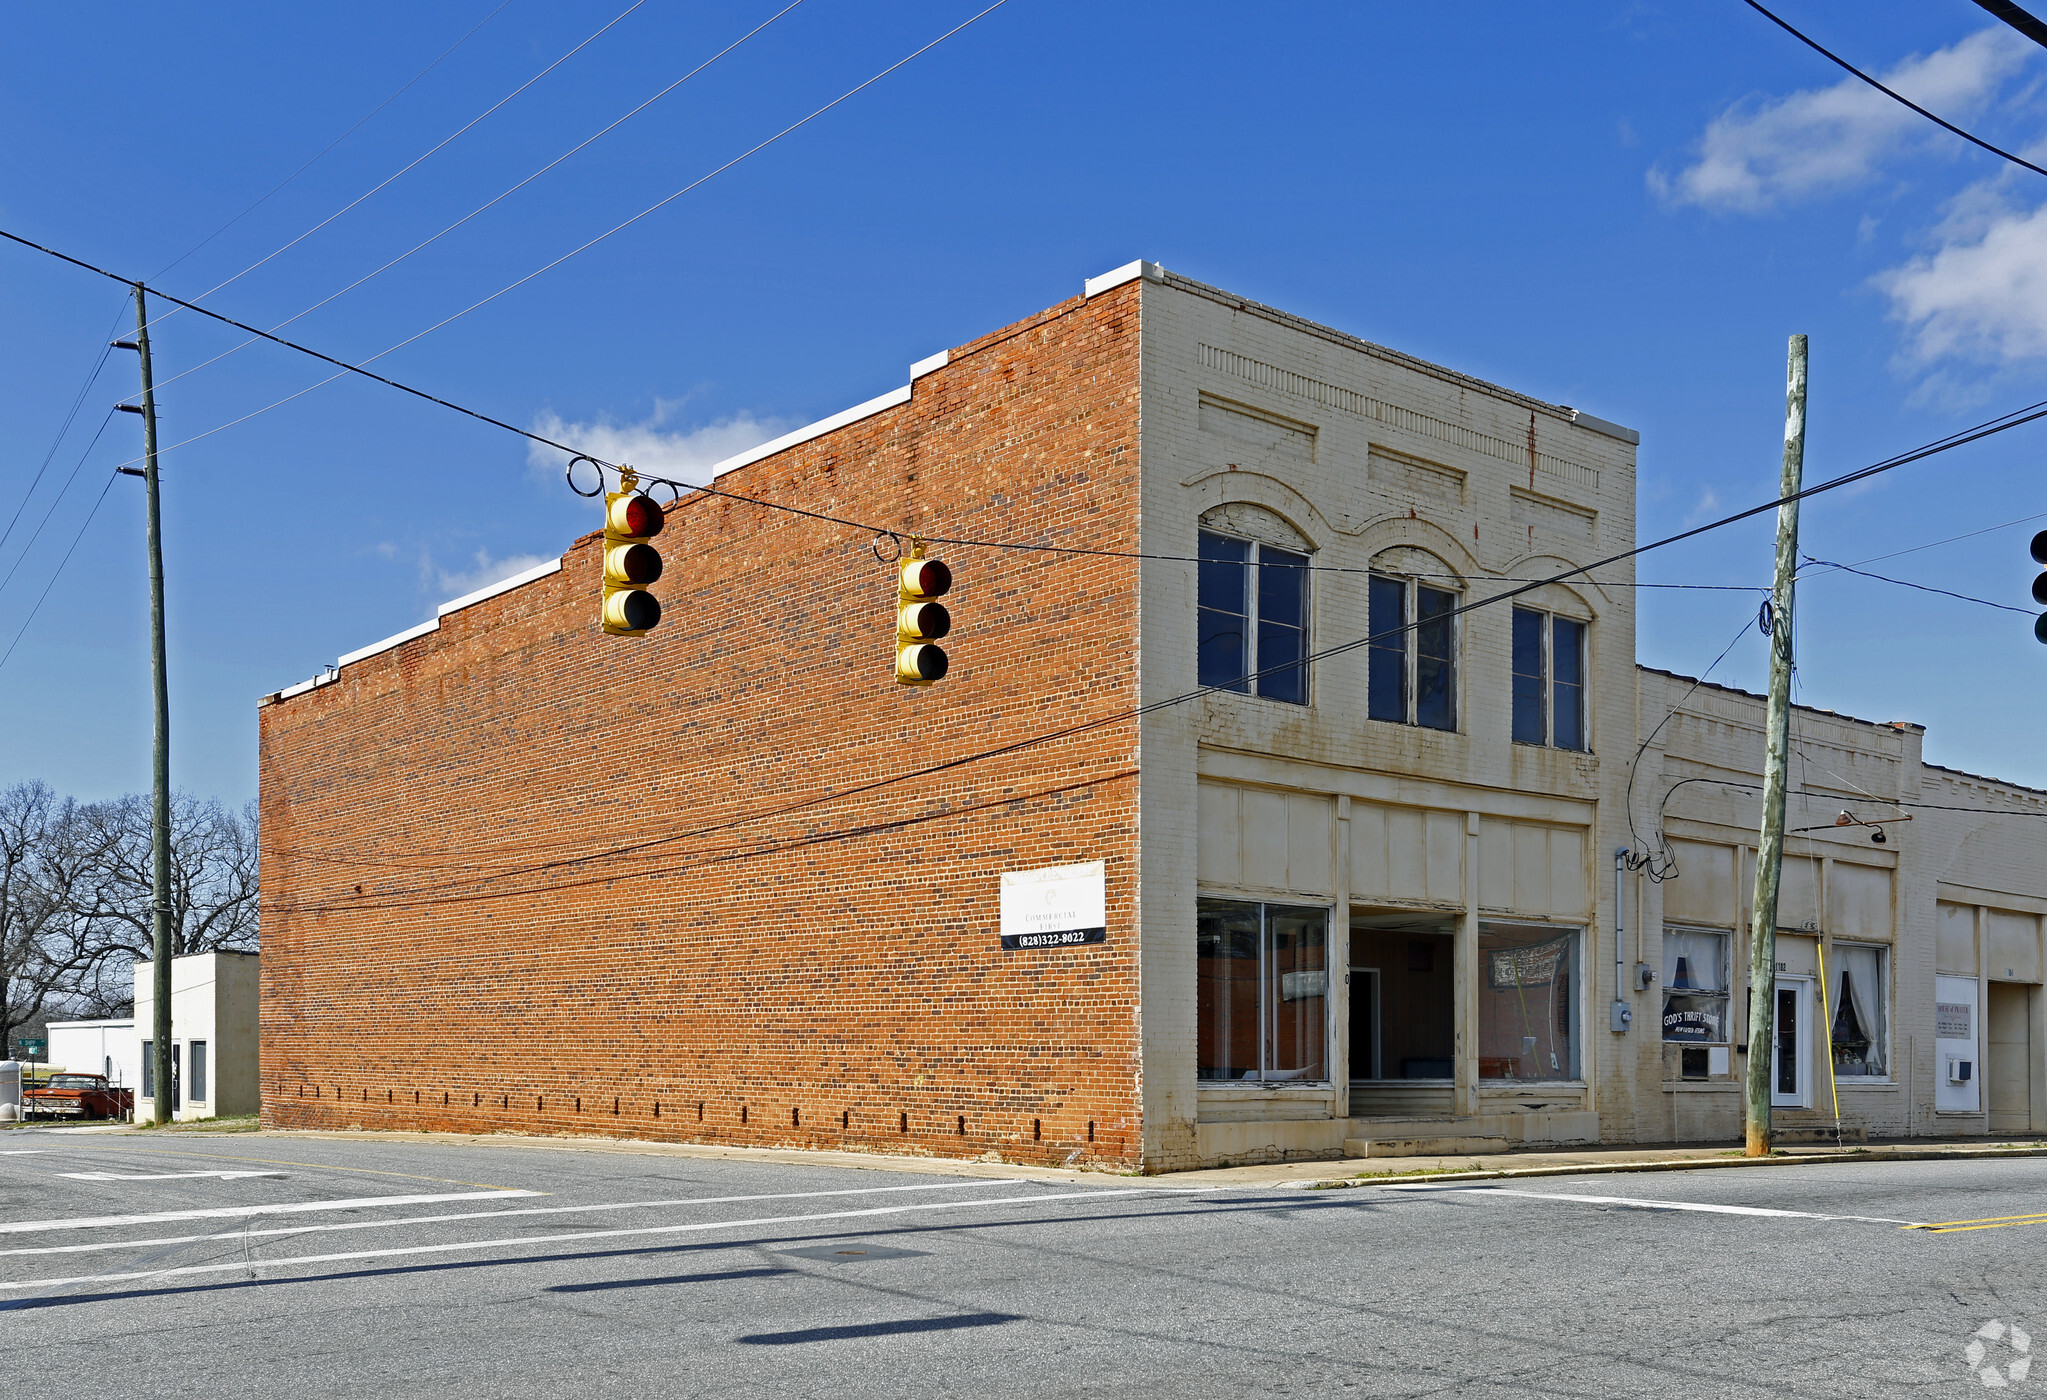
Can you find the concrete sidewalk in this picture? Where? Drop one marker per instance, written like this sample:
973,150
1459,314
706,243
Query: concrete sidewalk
1320,1175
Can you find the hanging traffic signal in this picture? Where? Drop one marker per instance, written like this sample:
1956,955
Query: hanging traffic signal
2040,585
631,518
920,622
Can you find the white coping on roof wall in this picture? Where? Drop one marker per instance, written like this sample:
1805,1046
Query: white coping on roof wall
930,363
503,585
1129,272
818,429
1600,425
333,673
397,639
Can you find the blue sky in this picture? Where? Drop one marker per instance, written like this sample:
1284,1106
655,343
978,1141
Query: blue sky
1625,207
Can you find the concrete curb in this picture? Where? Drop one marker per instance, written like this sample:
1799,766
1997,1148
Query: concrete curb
1788,1159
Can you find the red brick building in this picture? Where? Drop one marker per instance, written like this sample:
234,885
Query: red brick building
521,875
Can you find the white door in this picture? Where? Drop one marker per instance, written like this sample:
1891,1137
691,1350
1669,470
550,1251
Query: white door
1956,1083
1791,1044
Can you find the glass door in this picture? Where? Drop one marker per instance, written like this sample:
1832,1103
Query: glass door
1791,1044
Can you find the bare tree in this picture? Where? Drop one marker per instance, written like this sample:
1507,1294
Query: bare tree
76,898
45,950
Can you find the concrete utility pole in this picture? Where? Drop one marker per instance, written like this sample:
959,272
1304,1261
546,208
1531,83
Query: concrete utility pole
160,754
1762,958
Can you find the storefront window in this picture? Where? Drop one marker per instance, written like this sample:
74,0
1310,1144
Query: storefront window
1527,1002
1861,1027
1264,991
1695,986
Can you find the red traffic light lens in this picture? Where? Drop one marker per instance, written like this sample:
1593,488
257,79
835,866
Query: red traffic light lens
926,578
637,515
2040,548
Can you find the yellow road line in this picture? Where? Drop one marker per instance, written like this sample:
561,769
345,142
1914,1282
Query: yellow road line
1988,1222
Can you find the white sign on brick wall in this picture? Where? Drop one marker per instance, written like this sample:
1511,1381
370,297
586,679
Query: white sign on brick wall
1055,905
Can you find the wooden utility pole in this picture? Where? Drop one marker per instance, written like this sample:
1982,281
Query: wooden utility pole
161,1068
1762,957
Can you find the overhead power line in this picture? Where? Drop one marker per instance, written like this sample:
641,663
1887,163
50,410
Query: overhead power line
321,153
2018,19
358,367
1893,93
1923,588
498,199
1948,443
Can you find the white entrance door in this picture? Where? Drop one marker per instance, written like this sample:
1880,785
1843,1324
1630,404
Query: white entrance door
1957,1087
1791,1044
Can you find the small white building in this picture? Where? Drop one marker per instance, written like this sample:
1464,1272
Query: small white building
213,1036
106,1047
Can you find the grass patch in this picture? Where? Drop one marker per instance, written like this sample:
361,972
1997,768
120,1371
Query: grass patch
249,1124
1374,1176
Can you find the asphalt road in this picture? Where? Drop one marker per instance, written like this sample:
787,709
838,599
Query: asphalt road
263,1266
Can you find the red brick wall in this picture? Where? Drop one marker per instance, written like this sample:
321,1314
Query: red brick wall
446,946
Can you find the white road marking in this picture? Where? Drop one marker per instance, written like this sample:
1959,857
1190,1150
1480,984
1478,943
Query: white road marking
499,1215
100,1222
21,1152
1639,1203
164,1176
523,1241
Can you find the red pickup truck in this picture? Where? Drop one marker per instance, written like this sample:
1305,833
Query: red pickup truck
76,1096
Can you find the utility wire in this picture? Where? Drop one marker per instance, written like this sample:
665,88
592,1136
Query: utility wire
1243,682
549,267
44,595
328,147
62,432
497,199
1923,588
814,839
54,503
1891,93
387,180
2018,19
1951,539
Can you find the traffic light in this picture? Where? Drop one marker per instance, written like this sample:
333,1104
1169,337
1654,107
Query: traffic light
2040,585
631,518
920,622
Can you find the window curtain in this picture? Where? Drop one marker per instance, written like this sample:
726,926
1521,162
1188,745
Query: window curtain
1859,1032
1695,986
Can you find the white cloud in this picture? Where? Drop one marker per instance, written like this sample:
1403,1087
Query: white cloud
686,454
1982,293
486,571
1758,153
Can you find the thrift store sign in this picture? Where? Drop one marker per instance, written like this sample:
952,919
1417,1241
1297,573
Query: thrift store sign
1054,906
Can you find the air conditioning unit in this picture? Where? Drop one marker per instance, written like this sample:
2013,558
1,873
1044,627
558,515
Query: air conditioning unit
1959,1070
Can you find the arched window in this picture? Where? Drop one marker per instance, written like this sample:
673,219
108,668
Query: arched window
1252,607
1411,673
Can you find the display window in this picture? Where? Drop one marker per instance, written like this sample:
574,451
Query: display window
1528,995
1263,995
1860,998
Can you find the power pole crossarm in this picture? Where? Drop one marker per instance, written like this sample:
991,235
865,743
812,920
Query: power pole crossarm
1762,962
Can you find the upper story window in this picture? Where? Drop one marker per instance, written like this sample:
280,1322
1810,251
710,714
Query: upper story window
1549,680
1411,675
1253,615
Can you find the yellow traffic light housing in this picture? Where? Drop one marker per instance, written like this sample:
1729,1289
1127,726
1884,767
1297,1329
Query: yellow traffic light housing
631,518
920,620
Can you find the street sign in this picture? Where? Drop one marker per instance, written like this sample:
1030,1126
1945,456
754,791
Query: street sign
34,1045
